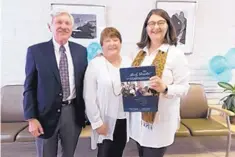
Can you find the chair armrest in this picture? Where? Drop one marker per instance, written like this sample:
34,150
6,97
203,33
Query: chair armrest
224,111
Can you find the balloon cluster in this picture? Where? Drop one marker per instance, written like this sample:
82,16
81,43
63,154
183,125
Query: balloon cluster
93,49
221,66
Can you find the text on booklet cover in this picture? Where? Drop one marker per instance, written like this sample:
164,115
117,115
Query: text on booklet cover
137,96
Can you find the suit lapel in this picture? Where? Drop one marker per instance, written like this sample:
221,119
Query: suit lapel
50,53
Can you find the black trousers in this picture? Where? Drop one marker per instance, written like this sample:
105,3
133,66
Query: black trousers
114,148
150,152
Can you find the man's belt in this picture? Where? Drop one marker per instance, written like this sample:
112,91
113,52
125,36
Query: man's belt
68,102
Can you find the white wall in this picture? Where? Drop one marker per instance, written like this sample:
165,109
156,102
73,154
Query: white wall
215,34
24,23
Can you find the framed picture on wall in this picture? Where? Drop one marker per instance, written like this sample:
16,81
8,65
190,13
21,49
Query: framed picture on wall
182,14
89,21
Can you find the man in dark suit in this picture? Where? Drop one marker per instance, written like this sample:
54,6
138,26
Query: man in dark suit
177,23
53,88
182,34
180,24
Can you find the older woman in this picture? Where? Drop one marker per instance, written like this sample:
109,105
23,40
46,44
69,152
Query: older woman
155,131
102,95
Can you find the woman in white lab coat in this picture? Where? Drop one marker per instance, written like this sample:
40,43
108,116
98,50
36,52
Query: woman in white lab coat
103,99
154,132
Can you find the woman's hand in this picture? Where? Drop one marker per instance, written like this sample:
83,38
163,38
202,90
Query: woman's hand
157,84
102,130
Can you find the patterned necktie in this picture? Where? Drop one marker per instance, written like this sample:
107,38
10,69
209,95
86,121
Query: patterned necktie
64,73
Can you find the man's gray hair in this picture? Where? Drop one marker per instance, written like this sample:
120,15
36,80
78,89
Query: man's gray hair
58,12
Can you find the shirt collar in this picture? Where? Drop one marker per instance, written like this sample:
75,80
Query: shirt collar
163,47
57,46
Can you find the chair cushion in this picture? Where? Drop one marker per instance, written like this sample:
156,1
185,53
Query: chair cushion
205,127
10,130
86,132
25,136
182,131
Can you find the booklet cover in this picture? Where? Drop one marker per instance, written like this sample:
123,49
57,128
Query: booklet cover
137,96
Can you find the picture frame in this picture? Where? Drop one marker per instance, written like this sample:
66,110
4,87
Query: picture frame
183,15
89,21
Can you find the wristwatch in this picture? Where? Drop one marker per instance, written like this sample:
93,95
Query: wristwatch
166,90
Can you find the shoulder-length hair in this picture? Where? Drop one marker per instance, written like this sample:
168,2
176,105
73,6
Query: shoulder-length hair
170,37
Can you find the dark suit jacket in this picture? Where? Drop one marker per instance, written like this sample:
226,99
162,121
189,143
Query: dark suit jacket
177,24
42,87
182,40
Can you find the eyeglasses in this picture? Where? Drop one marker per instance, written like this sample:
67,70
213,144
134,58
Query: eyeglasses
160,23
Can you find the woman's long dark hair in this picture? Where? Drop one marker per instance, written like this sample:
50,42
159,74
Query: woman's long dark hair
170,36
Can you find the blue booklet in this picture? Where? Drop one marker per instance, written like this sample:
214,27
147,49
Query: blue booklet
137,96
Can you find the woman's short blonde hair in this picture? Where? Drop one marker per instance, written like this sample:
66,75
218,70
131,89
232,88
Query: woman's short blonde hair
110,32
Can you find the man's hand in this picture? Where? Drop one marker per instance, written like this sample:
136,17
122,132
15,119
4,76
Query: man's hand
102,130
35,127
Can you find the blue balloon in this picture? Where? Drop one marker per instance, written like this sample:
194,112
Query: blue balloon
218,65
92,50
230,56
225,76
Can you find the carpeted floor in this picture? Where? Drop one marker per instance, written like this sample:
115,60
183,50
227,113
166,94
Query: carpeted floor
183,147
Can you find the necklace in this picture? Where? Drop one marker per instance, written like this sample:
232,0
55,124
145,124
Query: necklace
112,82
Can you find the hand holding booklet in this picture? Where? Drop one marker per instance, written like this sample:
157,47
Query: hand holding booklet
137,96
